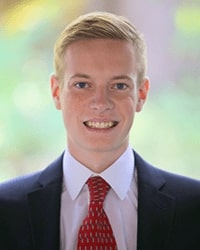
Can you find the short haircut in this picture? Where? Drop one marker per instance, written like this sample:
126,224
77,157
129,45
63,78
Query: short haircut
100,25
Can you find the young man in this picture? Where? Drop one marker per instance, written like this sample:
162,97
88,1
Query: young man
99,84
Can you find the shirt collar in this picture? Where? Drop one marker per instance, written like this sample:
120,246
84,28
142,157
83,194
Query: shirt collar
75,174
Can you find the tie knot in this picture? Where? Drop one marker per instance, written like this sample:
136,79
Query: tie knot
98,189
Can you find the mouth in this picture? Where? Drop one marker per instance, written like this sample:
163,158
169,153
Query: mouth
100,125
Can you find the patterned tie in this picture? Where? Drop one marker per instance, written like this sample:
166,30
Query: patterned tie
95,232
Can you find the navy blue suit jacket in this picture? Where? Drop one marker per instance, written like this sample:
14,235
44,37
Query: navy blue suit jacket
168,210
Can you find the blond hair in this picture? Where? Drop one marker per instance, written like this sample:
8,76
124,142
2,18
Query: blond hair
100,25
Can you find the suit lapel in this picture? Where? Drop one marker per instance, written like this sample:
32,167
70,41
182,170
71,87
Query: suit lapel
44,208
155,208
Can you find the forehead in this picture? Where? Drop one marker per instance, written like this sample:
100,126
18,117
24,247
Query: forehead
100,54
93,45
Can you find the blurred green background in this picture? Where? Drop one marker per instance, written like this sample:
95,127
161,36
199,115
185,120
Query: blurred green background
166,132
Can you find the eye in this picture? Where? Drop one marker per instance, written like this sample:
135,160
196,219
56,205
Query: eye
81,85
121,86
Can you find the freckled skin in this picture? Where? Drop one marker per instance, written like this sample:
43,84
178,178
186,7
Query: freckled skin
99,86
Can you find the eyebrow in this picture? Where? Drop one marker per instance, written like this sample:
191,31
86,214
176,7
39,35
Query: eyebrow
80,75
119,77
122,77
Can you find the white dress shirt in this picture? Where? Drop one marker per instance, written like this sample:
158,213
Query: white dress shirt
120,204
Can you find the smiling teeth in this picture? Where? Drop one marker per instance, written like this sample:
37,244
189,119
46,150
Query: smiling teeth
100,124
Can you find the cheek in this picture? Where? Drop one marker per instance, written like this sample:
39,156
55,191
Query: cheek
129,109
72,106
129,105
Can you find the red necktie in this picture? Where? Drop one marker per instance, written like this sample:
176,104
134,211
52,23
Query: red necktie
95,232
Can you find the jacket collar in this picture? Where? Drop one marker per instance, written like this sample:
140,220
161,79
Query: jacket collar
44,207
155,207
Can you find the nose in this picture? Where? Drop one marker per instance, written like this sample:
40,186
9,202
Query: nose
101,100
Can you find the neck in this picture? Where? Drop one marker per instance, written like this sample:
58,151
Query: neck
97,161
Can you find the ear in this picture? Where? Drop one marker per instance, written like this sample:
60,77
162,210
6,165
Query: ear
142,94
55,91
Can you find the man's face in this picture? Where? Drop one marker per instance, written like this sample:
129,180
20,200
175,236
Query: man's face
99,95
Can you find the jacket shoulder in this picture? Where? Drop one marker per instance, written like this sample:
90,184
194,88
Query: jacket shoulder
176,184
18,187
